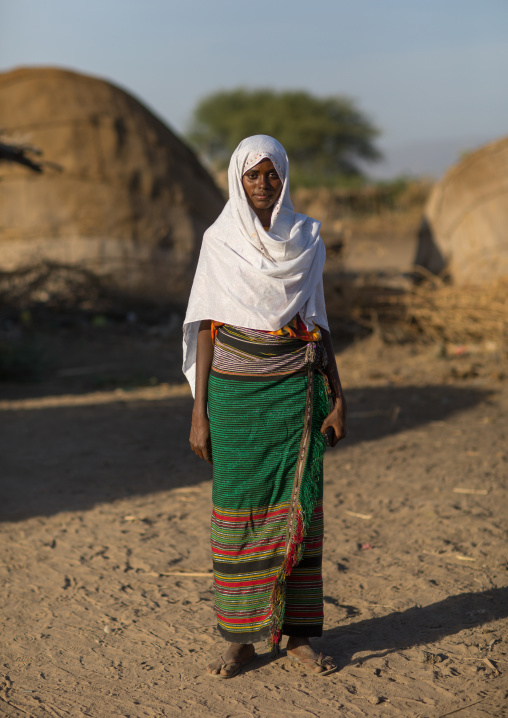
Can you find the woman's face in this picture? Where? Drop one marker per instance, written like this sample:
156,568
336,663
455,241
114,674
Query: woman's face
262,186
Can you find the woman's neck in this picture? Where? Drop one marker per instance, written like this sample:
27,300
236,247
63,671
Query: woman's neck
264,216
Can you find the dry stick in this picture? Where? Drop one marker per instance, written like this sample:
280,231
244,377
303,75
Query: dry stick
185,573
492,666
443,715
366,517
482,492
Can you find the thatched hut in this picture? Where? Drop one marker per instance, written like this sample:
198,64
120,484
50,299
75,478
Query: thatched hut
465,228
113,189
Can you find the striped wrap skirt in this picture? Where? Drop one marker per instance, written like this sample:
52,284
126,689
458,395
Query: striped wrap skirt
267,399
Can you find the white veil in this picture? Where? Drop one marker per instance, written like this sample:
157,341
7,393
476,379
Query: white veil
251,277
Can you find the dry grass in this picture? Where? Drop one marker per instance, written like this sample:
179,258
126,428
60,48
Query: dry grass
459,314
430,312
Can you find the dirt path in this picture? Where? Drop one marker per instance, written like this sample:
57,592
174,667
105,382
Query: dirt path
106,601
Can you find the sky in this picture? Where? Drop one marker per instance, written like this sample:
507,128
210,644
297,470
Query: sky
431,74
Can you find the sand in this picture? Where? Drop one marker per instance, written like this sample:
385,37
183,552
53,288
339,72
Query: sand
106,600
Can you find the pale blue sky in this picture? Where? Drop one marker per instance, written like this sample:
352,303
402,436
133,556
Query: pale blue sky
426,71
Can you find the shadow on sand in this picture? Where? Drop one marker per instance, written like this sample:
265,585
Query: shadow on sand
73,457
401,630
416,626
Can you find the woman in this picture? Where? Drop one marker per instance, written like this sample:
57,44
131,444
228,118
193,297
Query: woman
258,355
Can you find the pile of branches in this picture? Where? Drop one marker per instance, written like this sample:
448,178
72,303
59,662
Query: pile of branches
57,287
429,312
473,314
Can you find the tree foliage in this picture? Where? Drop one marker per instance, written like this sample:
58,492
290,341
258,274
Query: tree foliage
325,138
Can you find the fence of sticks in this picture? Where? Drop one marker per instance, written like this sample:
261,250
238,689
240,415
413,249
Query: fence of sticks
428,312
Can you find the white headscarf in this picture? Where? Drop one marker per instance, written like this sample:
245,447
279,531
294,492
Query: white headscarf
248,276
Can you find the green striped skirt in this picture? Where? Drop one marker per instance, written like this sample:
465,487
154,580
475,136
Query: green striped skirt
267,519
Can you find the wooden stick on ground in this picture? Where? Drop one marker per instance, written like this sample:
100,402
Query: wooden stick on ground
469,705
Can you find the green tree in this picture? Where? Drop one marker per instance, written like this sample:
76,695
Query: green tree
325,138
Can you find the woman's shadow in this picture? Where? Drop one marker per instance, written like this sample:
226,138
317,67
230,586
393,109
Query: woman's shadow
415,626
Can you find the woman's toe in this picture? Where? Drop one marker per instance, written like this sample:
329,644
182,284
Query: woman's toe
320,667
326,664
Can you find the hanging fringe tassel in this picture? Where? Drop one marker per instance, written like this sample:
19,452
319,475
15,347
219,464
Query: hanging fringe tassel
278,598
307,500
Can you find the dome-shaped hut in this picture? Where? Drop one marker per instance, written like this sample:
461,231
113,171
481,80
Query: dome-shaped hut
114,190
465,227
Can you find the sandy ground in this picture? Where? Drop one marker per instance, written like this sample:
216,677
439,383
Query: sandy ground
106,600
106,607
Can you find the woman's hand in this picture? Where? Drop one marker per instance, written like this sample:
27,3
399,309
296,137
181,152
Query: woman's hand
336,420
199,437
200,427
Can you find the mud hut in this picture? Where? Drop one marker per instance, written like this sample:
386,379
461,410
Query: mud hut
91,178
465,227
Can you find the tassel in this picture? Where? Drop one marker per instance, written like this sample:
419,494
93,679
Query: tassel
307,500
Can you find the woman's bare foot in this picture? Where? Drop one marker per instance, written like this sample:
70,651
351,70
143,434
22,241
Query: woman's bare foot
231,661
301,650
